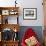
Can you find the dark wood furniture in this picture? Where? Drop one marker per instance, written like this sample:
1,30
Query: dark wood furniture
8,11
0,43
10,43
4,13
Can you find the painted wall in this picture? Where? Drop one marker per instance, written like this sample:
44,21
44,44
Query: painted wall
27,4
37,29
32,4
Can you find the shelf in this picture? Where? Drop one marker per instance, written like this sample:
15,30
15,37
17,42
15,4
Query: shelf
5,12
10,26
9,10
2,8
11,41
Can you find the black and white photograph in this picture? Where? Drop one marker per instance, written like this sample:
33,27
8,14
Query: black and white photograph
30,13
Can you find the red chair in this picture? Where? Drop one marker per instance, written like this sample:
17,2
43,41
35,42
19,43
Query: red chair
29,33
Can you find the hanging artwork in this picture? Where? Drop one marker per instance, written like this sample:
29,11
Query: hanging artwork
30,13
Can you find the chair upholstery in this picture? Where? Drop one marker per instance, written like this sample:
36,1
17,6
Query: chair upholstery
29,33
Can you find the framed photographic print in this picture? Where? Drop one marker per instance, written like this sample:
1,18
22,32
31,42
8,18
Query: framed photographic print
30,13
5,12
13,12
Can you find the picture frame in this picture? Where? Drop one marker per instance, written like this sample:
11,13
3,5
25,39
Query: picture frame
12,12
29,13
5,12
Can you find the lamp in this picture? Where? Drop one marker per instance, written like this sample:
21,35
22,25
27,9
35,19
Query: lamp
15,3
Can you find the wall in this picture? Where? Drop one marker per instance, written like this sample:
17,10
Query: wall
27,4
32,4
